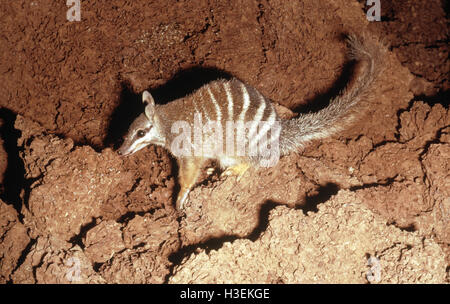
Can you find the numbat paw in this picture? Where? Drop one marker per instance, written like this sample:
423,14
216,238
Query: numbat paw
237,170
210,171
182,199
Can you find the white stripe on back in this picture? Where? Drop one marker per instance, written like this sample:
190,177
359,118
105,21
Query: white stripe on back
216,105
202,104
266,126
258,116
246,102
226,86
195,106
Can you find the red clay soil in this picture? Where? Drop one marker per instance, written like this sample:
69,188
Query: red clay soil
72,210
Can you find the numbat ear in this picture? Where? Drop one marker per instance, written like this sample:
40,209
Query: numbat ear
150,107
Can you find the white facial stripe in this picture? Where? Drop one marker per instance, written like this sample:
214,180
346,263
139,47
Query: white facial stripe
148,136
136,146
141,142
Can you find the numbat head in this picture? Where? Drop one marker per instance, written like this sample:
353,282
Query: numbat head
144,130
237,123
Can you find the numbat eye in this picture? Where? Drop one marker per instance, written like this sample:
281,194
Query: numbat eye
140,133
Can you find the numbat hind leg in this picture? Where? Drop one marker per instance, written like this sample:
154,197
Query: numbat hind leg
237,170
189,169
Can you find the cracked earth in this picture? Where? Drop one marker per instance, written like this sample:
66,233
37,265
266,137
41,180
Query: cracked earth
72,210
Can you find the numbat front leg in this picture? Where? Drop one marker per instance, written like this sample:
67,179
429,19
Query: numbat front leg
189,169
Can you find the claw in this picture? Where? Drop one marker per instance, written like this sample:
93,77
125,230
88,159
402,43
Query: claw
238,170
182,198
210,171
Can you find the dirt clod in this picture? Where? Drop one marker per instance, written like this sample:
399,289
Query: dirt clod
370,204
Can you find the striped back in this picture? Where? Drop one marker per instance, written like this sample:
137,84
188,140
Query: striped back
232,100
226,102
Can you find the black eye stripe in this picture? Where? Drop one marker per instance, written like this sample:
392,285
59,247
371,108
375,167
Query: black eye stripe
142,132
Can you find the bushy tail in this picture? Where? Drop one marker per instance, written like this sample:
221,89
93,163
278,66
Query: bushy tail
370,53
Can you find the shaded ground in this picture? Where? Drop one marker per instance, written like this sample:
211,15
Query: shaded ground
72,210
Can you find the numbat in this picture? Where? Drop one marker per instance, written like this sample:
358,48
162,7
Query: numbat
241,126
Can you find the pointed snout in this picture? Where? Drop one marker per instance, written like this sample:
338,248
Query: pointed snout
130,146
123,150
